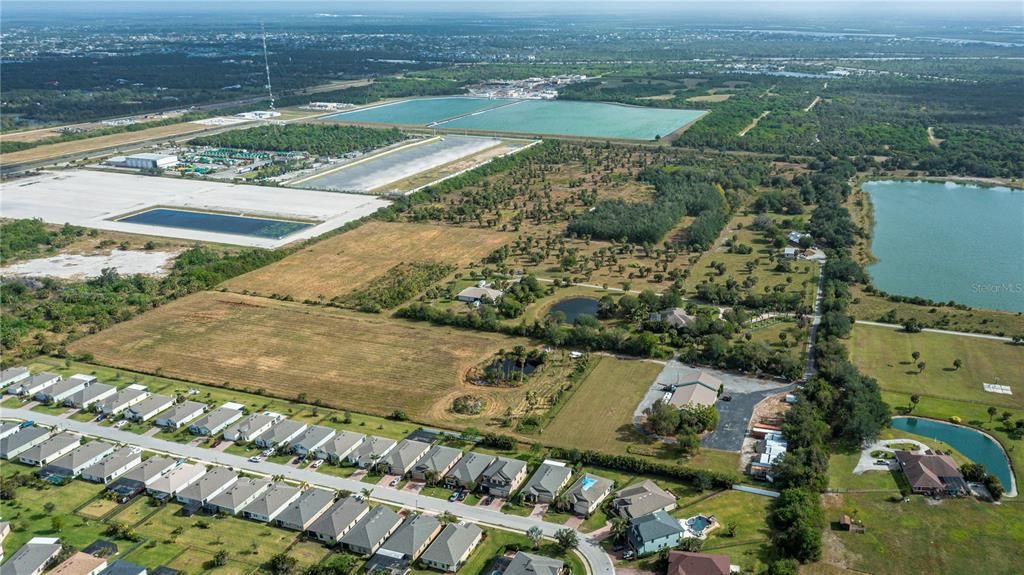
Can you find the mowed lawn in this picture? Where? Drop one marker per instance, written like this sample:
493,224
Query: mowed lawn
885,354
362,362
349,261
599,415
954,536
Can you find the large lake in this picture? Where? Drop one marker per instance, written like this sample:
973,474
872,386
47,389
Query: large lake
946,241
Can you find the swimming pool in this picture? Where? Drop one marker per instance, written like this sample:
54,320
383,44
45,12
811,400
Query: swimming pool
588,482
698,524
219,223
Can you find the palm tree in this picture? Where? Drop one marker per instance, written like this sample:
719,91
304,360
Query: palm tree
916,355
992,411
620,526
535,535
914,400
957,364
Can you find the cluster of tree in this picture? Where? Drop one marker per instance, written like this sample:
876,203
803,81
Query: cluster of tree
8,146
395,287
20,239
976,473
796,520
519,295
665,419
511,367
319,139
380,89
744,356
702,478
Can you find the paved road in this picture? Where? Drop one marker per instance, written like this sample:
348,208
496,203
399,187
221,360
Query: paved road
810,369
945,331
598,562
734,418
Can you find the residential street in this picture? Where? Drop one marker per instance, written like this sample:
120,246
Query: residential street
596,559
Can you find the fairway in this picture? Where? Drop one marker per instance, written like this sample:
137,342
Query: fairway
362,362
345,263
600,414
885,354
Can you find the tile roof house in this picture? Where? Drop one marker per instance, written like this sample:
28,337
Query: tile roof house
546,483
641,499
180,414
281,434
13,375
172,482
701,390
204,488
240,495
79,459
123,399
312,438
216,421
686,563
436,462
113,466
24,439
32,557
149,407
370,532
90,395
61,390
587,493
272,502
413,537
653,532
339,519
80,564
305,509
339,447
371,451
530,564
503,476
468,470
35,384
54,447
932,473
452,547
405,455
251,426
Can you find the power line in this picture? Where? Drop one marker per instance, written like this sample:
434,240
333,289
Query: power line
266,63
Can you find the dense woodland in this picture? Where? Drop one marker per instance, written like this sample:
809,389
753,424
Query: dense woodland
317,139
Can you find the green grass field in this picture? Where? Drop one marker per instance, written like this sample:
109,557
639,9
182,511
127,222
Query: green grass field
885,354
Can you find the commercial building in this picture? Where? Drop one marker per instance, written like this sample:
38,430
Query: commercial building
148,161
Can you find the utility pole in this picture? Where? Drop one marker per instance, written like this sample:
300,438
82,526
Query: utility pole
266,64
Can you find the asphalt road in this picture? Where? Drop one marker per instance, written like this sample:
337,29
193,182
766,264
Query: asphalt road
598,562
734,417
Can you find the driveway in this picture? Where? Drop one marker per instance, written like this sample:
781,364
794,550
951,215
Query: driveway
867,463
387,479
496,505
539,510
414,487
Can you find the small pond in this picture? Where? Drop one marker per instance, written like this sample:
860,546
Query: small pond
574,307
975,445
509,367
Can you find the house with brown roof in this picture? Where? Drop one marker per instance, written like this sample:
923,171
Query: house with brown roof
932,473
686,563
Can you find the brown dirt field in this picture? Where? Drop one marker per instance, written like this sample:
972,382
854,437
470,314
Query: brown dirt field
54,151
364,362
710,98
347,262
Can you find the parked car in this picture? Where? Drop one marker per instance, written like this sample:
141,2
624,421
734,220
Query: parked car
454,497
460,495
121,424
394,482
726,398
316,463
488,500
256,459
628,555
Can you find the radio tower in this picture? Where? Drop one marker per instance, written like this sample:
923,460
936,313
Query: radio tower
266,63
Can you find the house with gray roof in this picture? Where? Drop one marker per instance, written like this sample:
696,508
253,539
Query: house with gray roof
173,482
339,447
547,482
405,455
311,439
53,448
411,539
211,484
587,493
503,476
33,557
138,478
22,440
122,567
452,547
216,421
35,384
13,375
9,428
300,514
180,414
273,501
113,466
251,426
337,521
530,564
370,532
467,471
239,496
61,390
436,462
281,434
79,459
90,395
123,399
149,407
653,532
371,451
641,499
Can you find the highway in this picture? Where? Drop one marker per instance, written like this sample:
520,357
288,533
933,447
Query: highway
598,562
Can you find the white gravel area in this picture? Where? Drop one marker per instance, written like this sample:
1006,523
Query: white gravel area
95,199
77,266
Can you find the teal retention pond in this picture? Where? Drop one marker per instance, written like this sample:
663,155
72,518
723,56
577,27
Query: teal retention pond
975,445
